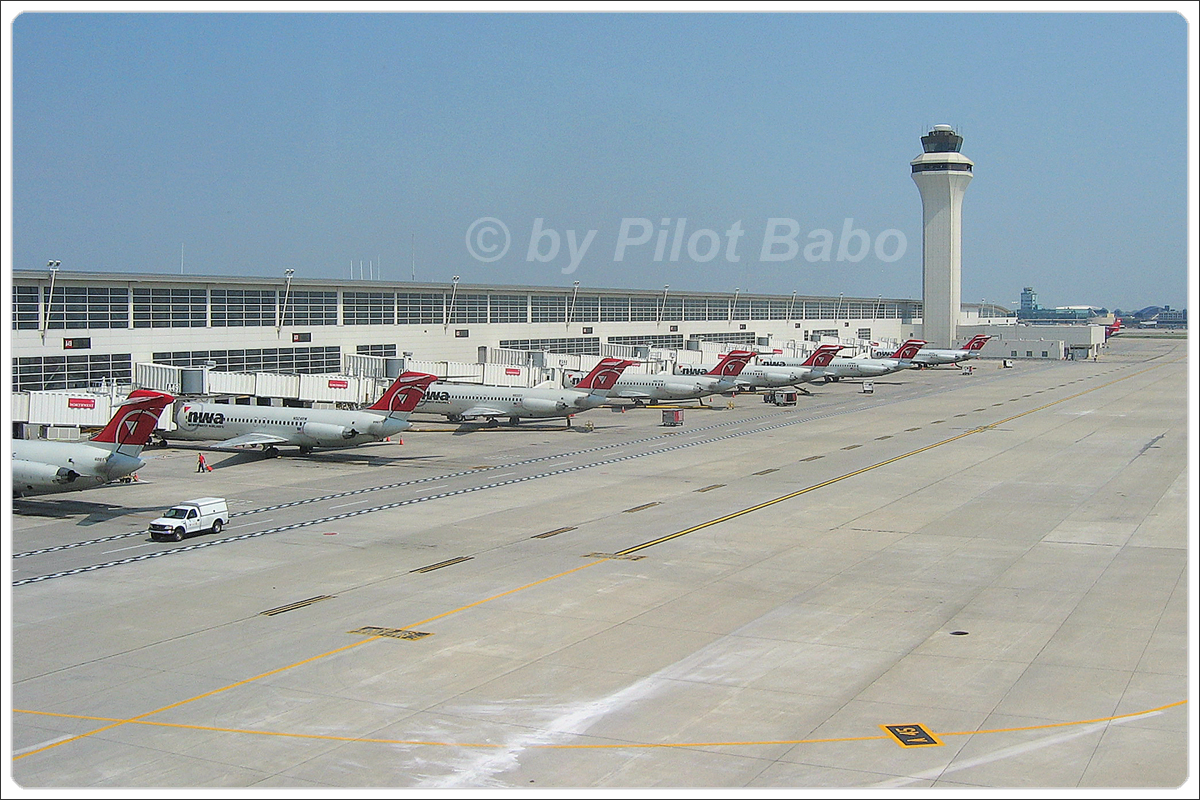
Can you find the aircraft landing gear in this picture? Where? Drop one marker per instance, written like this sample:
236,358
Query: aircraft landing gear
305,450
271,451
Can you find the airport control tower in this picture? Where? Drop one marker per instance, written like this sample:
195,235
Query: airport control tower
941,174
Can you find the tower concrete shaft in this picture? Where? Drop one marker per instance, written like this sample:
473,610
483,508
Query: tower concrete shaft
941,174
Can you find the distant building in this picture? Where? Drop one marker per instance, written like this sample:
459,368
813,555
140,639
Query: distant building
1029,302
1030,311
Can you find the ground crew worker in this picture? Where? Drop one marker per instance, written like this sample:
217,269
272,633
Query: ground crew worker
201,465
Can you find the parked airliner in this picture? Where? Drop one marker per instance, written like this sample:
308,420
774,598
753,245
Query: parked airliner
233,425
932,358
43,467
773,372
664,386
460,402
857,367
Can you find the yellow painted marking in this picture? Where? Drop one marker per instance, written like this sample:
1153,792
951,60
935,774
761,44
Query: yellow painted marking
613,746
912,735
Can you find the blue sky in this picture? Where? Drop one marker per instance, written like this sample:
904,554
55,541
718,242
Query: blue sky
256,143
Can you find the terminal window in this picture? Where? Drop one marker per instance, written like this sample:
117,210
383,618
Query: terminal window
44,373
548,308
586,309
509,308
170,308
420,308
369,308
469,308
243,308
576,345
26,311
310,308
82,307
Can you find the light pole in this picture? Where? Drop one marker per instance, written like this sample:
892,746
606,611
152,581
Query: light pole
450,308
571,310
733,304
792,308
287,290
53,265
663,308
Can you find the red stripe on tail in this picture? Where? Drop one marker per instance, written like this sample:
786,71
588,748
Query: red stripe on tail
404,393
822,355
977,342
906,351
732,363
604,375
135,419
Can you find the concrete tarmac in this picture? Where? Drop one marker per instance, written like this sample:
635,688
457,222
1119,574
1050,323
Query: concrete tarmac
956,582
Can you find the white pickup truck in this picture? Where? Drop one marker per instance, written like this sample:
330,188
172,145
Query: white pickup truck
189,518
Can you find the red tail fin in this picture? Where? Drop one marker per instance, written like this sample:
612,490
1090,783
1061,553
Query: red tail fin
605,374
822,355
906,351
134,421
404,393
977,342
732,363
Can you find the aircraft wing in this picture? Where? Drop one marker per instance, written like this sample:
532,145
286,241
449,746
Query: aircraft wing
484,411
253,439
629,394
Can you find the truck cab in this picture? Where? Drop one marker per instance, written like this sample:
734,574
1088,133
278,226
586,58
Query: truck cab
190,518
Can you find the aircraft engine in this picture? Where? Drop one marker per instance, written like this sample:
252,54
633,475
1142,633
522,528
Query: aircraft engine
34,472
538,405
33,477
777,378
679,389
324,432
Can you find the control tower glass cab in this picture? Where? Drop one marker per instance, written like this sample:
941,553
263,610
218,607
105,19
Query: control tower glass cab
941,174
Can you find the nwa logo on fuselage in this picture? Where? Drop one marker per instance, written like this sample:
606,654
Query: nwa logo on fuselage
205,418
773,363
435,397
692,371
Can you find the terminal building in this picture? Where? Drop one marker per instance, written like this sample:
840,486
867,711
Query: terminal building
102,332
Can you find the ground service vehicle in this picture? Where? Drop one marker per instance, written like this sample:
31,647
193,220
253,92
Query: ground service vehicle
189,518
